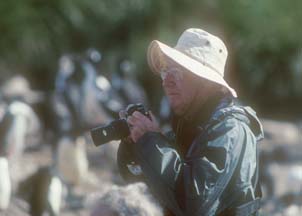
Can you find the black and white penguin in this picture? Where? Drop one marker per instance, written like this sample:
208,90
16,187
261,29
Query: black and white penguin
17,121
13,127
24,122
93,89
126,84
43,191
5,184
72,160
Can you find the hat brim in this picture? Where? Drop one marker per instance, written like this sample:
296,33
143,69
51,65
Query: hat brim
159,54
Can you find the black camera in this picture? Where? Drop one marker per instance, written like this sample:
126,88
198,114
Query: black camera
117,129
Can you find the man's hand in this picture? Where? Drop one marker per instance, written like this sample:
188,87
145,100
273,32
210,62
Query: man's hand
140,124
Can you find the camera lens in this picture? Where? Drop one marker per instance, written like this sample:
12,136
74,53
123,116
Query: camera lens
116,130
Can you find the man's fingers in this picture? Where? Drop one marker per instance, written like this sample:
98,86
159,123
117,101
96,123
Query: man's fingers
136,133
139,115
140,124
152,116
122,114
133,121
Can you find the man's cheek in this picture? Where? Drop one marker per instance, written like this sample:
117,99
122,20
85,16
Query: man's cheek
175,102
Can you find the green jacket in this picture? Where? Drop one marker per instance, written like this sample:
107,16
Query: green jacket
216,173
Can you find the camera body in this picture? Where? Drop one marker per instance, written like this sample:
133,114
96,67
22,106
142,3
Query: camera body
117,129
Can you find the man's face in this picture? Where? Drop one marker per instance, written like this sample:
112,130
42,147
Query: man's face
179,87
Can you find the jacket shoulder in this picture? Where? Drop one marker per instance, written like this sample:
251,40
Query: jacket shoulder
233,116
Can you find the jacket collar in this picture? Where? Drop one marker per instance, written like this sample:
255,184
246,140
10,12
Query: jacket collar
206,112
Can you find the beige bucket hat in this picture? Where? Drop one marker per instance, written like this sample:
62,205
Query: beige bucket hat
196,51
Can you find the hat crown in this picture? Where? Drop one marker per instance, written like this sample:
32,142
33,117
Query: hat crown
197,51
204,48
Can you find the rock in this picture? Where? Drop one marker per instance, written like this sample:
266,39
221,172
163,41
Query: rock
131,200
282,141
17,207
280,157
287,178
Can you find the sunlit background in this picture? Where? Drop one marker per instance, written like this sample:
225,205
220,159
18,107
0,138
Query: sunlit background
69,65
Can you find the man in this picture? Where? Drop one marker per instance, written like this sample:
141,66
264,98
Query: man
208,164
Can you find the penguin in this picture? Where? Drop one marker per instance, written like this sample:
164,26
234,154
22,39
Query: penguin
17,132
12,133
43,191
108,97
54,195
72,160
126,84
92,113
5,184
19,121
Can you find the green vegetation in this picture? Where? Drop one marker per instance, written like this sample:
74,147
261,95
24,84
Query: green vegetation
264,38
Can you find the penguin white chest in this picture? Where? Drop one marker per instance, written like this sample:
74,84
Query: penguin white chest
5,184
73,163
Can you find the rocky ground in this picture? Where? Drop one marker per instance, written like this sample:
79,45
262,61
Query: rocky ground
281,168
281,174
102,175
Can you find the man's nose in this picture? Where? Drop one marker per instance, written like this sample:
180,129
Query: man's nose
167,78
165,83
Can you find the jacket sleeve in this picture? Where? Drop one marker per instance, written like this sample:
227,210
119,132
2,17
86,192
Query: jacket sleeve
126,157
202,175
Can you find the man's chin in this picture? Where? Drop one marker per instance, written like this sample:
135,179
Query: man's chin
177,111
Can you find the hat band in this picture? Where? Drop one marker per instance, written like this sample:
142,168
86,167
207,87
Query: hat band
213,68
